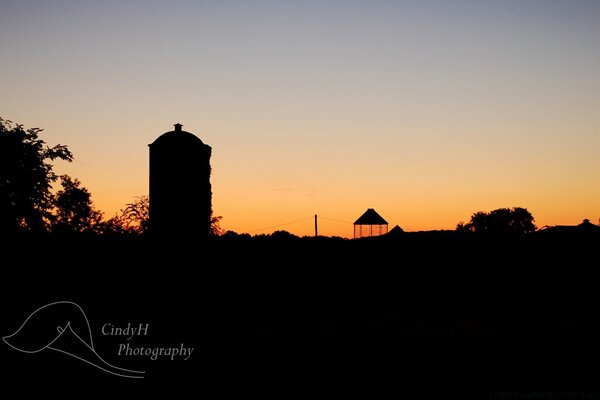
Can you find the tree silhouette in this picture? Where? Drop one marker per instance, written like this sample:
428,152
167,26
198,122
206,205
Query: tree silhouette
136,214
215,226
502,221
26,177
74,211
133,220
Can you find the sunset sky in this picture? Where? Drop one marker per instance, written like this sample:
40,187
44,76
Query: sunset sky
426,111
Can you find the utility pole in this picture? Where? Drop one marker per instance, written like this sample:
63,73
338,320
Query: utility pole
316,229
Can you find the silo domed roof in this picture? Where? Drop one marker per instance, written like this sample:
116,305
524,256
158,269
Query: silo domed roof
177,136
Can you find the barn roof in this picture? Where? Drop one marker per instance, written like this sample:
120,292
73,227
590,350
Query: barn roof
370,217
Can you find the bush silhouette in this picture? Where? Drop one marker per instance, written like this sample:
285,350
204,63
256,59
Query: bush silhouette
502,221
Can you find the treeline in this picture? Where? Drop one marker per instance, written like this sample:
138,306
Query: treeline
36,201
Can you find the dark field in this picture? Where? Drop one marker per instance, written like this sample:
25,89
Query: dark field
424,315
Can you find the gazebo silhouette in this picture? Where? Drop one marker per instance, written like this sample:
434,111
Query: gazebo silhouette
370,224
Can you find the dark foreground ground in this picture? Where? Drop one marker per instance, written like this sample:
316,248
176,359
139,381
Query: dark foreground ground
419,316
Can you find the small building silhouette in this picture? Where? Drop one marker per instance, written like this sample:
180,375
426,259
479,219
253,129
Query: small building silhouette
396,231
180,190
584,230
370,224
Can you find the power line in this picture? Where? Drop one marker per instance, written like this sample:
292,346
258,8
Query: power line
335,220
284,224
299,220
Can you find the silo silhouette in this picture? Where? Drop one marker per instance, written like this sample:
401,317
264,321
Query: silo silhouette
180,190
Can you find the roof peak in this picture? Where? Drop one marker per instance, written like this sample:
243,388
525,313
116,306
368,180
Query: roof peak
370,217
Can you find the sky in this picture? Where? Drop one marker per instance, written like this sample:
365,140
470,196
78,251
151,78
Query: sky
427,111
